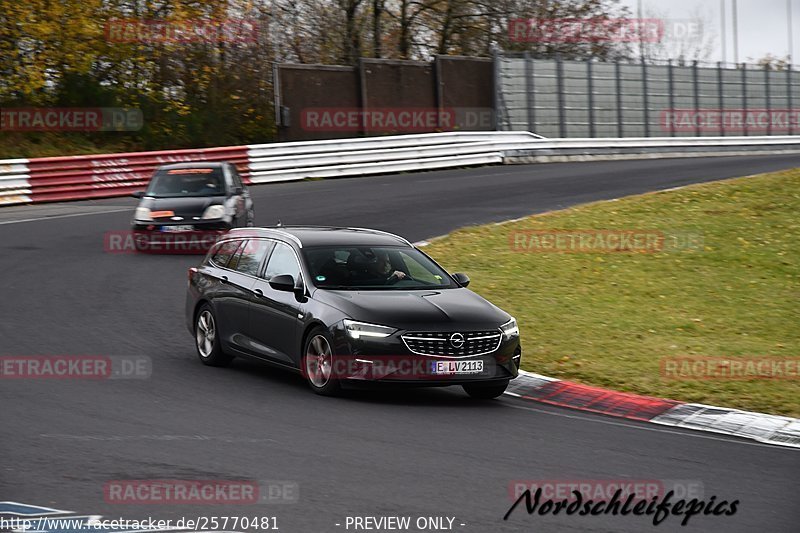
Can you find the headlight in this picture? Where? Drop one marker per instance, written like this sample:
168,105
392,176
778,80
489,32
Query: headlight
510,329
214,211
362,329
142,213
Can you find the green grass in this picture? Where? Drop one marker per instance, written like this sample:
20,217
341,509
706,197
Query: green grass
608,319
15,145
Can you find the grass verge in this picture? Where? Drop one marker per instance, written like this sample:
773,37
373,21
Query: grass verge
49,144
609,319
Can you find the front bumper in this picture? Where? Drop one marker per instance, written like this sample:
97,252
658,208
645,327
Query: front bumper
161,237
389,361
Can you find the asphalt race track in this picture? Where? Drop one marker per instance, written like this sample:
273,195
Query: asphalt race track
413,453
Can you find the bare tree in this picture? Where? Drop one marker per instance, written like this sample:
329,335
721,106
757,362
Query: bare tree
771,62
378,8
352,32
685,40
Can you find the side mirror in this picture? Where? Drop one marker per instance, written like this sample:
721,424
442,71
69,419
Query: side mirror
138,194
284,282
461,278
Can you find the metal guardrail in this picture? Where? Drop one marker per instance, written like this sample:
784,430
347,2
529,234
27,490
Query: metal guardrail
99,176
385,142
52,179
559,150
14,182
375,155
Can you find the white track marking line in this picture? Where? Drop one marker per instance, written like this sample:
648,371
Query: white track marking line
42,511
53,217
644,427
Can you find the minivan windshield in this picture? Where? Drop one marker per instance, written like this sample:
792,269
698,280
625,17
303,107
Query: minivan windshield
374,267
186,182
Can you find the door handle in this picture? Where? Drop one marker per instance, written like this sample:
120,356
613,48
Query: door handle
225,279
259,292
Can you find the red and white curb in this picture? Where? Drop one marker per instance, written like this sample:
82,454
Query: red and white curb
771,429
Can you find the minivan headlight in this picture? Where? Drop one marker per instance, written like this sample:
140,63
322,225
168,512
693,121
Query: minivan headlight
510,329
362,329
214,211
142,213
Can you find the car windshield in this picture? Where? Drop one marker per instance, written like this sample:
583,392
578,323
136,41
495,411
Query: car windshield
186,182
375,267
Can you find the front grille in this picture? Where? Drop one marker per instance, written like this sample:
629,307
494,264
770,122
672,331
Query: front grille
437,343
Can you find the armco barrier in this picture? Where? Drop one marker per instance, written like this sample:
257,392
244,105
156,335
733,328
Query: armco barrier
51,179
98,176
322,159
101,176
15,185
559,150
375,155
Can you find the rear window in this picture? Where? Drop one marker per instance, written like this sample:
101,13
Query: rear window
224,253
187,182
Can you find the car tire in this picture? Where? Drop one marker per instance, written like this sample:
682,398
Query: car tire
206,337
317,363
485,392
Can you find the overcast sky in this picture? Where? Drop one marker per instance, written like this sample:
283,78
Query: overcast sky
763,25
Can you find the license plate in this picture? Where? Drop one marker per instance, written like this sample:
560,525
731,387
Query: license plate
173,229
456,367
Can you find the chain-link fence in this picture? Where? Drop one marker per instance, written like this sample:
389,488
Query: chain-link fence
558,98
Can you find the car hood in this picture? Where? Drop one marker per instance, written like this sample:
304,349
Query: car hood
417,310
183,206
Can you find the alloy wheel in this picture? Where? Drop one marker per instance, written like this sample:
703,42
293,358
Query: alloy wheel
319,361
206,333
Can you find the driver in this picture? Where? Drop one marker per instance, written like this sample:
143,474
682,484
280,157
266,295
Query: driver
382,268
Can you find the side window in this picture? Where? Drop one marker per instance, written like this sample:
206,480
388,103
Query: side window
224,253
237,181
234,262
282,261
250,256
226,171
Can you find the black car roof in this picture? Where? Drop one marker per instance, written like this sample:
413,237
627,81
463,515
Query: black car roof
325,235
196,164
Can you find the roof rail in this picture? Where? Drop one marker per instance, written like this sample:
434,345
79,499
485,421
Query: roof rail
289,236
384,233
